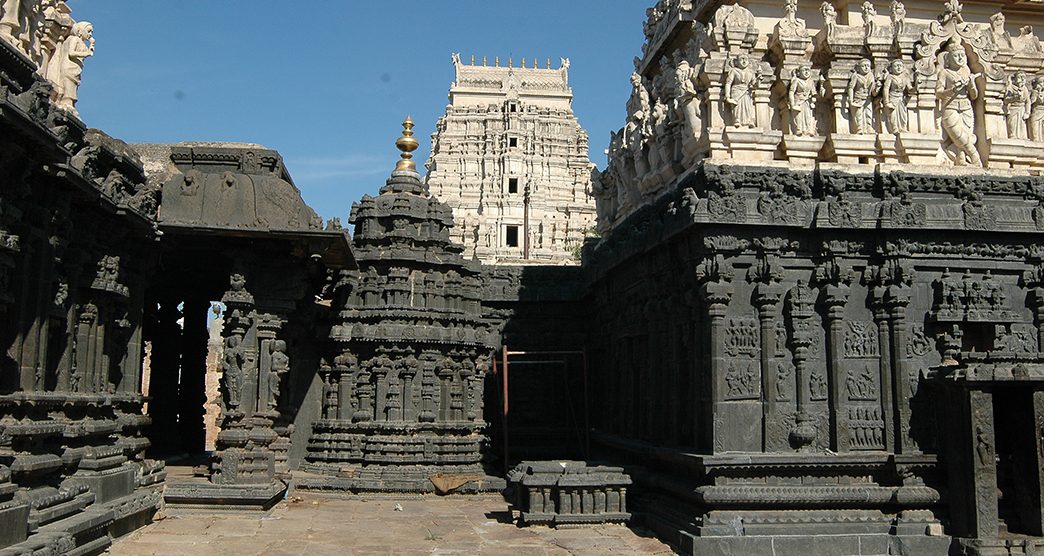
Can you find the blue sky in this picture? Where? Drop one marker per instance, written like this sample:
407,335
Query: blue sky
327,83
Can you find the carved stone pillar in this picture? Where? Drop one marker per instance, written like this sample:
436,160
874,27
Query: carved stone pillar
836,298
897,299
884,341
766,299
983,457
716,297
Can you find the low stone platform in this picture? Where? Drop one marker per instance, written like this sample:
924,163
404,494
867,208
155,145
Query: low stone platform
317,525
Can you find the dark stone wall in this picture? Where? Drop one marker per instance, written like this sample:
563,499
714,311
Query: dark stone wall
77,244
766,340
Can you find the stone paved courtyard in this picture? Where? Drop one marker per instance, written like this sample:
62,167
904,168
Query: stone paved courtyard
316,525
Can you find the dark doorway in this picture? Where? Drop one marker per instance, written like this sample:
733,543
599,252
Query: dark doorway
1018,498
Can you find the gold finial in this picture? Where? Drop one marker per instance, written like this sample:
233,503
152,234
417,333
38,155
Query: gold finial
548,66
407,144
497,61
473,59
523,62
511,62
483,59
536,62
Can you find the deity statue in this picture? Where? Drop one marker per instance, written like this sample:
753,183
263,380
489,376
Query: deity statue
1036,117
801,98
280,366
66,65
740,85
862,87
234,359
1017,105
896,88
829,17
687,96
955,91
997,35
869,15
898,18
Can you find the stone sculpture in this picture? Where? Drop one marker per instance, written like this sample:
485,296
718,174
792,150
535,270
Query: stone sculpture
898,17
829,13
869,14
801,100
862,87
955,90
1036,117
896,86
1017,105
790,26
998,35
66,66
740,85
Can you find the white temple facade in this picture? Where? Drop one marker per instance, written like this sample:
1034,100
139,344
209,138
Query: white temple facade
511,159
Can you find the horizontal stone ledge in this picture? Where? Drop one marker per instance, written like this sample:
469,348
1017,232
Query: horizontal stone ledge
839,496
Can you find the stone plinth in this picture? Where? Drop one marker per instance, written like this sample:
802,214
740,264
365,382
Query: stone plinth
557,493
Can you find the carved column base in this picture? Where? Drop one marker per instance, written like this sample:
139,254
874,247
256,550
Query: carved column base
804,434
853,149
1013,153
747,144
802,151
910,148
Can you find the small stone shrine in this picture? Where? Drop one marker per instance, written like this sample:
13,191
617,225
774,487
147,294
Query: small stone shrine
403,389
561,493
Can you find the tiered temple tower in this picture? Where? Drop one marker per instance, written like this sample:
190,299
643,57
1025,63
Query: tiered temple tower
402,392
512,161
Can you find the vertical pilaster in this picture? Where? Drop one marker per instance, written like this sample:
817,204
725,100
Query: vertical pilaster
836,298
983,457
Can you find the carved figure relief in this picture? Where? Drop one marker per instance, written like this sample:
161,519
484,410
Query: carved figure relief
817,384
740,86
869,13
861,340
801,100
862,87
784,381
955,90
866,428
861,384
1017,105
66,66
233,367
898,18
896,88
742,381
1036,117
742,337
919,344
829,13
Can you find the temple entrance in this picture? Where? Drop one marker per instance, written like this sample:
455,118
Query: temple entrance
1018,500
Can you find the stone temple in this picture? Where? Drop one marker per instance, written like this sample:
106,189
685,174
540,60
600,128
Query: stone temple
511,160
813,322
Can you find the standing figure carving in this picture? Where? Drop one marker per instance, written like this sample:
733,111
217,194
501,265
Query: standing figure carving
862,87
280,366
688,97
801,97
896,88
955,91
829,13
1017,105
66,65
740,85
9,24
869,19
1036,117
233,369
898,18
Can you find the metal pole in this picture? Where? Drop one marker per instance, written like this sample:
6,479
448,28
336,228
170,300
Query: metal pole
504,418
525,223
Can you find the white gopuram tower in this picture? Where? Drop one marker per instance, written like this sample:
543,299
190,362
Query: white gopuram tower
512,161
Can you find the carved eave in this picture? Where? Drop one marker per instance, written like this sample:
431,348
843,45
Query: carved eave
332,246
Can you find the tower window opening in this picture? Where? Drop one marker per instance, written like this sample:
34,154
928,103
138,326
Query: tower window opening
511,236
512,185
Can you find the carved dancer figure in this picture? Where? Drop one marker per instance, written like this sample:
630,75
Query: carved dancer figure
829,13
898,18
280,366
1036,117
688,100
869,16
1017,105
801,97
66,66
740,85
896,89
955,91
862,86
